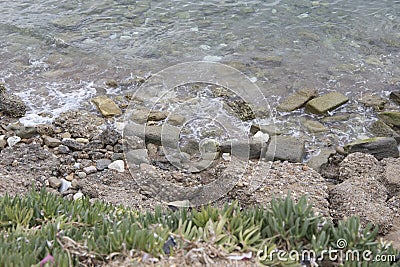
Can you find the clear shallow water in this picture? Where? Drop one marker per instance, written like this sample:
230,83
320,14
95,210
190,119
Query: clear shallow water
58,54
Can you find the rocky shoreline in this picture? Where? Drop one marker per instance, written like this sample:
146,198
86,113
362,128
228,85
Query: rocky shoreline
82,154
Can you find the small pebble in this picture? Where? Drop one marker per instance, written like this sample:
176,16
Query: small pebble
64,185
81,175
90,169
13,140
78,195
54,182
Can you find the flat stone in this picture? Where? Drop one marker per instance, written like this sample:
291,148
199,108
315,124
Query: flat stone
285,148
320,160
380,147
314,126
297,100
395,96
325,103
54,182
51,141
13,140
106,106
102,164
381,129
82,140
117,165
90,169
391,118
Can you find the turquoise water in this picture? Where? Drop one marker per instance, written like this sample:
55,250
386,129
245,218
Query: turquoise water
58,54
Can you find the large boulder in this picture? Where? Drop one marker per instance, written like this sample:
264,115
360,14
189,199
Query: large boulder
380,147
12,105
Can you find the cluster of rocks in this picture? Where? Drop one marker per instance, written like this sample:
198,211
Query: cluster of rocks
10,104
80,144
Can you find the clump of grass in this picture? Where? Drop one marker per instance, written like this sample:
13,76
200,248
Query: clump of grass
78,232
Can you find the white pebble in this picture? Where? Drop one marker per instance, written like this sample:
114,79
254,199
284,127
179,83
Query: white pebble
13,140
78,195
117,165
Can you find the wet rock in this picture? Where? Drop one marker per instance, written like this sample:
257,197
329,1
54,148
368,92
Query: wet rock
374,101
381,129
297,100
54,182
139,116
72,144
395,96
106,106
380,147
336,118
325,103
102,164
117,165
269,61
112,83
314,126
12,105
285,148
50,141
319,161
391,118
90,169
13,140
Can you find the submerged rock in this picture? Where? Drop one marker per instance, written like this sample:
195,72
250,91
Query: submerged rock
374,101
381,129
395,96
297,100
325,103
380,147
314,126
391,118
12,105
